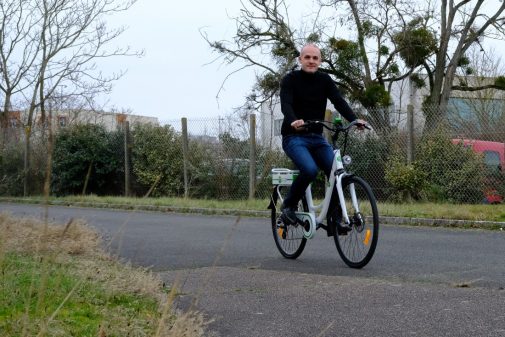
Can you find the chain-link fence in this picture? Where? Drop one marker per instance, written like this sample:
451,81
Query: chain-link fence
410,155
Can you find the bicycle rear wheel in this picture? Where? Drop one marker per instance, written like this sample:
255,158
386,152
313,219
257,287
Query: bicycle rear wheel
288,238
356,243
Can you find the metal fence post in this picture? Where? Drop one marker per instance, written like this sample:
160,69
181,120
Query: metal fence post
252,156
185,151
410,133
127,169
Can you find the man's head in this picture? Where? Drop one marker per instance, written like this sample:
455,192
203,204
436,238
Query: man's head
310,58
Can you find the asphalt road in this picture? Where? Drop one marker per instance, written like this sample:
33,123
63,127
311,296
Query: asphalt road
421,281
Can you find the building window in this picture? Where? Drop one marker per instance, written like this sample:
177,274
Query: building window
469,111
62,121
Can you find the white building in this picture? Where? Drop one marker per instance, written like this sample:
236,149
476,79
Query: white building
270,122
60,119
463,106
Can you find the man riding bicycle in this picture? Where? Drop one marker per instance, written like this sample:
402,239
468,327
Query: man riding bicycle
304,94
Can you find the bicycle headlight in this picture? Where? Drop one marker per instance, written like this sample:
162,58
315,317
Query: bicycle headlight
346,160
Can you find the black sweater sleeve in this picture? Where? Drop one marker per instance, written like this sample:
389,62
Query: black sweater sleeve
338,101
287,99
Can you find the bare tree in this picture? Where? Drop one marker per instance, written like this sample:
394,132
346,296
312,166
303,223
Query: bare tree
432,38
65,38
389,41
263,36
266,40
18,51
368,65
462,24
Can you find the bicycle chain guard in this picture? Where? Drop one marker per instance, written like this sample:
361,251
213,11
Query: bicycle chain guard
308,222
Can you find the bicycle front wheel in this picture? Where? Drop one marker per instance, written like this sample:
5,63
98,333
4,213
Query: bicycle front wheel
288,238
356,242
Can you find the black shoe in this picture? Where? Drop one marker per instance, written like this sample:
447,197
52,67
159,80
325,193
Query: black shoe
289,216
343,229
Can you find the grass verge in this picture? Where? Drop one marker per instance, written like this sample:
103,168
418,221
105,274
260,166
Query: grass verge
55,280
477,212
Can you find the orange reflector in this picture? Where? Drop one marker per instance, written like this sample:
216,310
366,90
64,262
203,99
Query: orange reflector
367,237
279,231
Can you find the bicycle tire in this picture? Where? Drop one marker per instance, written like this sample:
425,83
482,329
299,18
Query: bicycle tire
289,239
356,244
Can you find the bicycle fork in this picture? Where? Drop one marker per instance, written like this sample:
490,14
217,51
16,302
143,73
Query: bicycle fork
340,191
340,175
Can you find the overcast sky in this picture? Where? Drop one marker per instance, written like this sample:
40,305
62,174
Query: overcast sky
172,80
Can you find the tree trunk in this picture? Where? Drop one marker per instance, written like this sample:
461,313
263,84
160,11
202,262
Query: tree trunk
49,168
4,120
361,43
26,161
27,154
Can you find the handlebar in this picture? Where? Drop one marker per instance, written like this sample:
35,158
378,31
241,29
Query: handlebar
337,127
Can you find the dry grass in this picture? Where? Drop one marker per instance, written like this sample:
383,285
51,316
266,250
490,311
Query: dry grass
78,244
28,235
187,324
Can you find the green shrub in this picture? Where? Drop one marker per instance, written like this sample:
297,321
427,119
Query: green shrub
157,160
407,180
11,170
200,178
212,176
38,163
369,160
269,159
454,173
12,165
83,149
231,167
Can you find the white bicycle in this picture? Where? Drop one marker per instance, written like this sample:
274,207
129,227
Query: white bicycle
349,208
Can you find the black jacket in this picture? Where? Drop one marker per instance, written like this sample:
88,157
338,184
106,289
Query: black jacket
304,96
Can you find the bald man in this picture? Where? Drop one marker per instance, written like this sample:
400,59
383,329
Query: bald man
304,94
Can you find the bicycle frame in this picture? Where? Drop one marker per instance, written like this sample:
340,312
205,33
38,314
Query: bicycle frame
355,234
337,174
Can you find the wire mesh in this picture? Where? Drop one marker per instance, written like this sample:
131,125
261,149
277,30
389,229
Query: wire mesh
433,155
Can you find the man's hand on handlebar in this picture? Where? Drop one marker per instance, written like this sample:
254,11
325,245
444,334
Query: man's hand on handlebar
362,124
298,125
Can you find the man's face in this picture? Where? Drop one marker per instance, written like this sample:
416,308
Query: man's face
310,59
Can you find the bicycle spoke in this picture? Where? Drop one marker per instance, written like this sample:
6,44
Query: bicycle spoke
290,240
358,245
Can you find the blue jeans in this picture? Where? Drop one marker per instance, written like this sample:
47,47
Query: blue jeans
309,152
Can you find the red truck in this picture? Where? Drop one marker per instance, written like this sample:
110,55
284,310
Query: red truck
494,157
